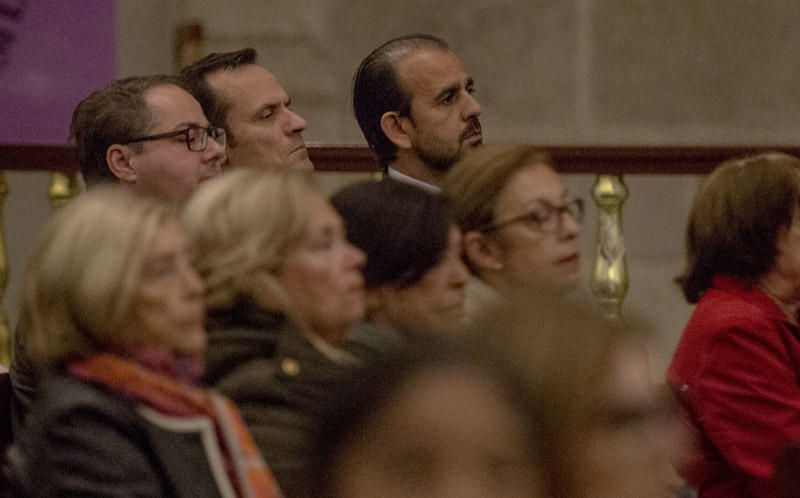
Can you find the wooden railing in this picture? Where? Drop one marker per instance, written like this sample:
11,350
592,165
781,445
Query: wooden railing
602,160
609,164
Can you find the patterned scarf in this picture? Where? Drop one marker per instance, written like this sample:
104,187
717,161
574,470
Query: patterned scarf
161,382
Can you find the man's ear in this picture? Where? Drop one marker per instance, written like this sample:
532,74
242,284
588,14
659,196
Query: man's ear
483,253
395,128
120,159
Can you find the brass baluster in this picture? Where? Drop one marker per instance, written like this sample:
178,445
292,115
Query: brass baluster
5,332
610,273
63,187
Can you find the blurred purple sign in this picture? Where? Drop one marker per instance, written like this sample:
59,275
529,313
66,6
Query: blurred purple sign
53,53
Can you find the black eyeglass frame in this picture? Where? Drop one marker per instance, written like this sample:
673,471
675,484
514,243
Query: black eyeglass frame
566,208
215,132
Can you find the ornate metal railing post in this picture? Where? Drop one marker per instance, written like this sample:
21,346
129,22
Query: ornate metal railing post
5,332
63,187
610,272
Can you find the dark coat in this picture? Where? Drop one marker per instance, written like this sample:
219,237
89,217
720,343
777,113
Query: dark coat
278,380
24,380
81,440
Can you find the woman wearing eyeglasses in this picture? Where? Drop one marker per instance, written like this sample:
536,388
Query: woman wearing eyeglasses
520,224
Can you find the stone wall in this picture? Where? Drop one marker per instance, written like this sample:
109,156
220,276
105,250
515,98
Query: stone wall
558,72
547,72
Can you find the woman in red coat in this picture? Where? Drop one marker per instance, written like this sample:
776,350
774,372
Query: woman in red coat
736,367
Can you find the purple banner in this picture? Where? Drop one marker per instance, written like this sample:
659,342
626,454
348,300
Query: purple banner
53,53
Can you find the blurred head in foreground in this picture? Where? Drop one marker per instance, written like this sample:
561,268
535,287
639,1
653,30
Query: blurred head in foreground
434,421
611,434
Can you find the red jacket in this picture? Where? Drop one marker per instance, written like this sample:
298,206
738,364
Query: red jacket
736,372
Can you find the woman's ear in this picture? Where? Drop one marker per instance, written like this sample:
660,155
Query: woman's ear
482,253
394,126
119,159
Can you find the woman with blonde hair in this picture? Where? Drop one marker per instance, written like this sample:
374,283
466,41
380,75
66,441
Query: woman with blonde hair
520,223
115,325
284,289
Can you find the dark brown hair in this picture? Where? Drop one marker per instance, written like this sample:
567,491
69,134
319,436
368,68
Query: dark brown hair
112,115
377,89
402,229
736,219
214,106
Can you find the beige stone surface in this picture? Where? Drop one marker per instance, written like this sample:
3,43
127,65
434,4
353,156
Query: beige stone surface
547,71
722,71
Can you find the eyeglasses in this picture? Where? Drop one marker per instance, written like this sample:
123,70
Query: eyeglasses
545,217
196,137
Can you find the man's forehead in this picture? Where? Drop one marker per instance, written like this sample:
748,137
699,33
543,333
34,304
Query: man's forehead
249,85
430,70
171,105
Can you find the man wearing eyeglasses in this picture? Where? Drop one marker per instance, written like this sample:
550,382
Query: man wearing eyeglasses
249,103
149,133
145,132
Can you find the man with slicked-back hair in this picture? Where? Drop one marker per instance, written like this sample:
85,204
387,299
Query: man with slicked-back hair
415,105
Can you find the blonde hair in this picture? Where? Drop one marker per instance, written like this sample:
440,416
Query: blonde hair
475,182
242,225
80,280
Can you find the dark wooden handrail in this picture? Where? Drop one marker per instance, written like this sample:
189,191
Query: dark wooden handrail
616,160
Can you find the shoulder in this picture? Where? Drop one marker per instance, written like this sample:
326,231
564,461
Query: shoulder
235,351
367,341
251,364
735,332
720,310
63,397
290,372
88,440
71,408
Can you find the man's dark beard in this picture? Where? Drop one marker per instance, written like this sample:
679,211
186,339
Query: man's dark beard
438,161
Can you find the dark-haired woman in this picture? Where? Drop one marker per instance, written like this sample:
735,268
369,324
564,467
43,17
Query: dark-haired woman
737,365
414,274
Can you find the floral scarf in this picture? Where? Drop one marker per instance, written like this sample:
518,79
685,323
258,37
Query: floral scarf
163,383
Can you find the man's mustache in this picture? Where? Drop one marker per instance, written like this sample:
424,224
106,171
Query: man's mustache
474,128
